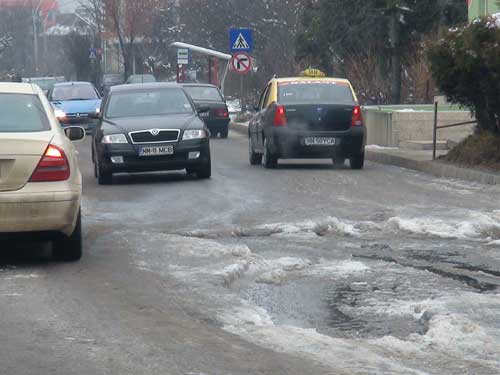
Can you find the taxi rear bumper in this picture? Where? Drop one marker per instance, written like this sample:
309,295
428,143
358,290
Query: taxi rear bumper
288,143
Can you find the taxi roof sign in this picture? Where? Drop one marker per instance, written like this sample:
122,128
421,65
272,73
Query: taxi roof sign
312,73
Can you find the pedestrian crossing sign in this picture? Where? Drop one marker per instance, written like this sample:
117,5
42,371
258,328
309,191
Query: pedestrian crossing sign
240,40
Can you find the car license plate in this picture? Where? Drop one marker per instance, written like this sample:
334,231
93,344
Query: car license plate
204,114
156,150
320,141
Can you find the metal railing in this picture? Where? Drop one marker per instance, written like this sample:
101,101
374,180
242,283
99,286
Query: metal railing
436,128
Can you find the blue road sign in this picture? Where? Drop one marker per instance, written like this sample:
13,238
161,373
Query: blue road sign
240,40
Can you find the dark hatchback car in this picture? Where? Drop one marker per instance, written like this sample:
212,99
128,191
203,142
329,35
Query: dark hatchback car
150,127
312,118
217,118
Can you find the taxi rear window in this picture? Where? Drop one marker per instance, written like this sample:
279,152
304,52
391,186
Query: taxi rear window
314,93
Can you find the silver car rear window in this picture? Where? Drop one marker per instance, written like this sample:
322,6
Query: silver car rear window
22,113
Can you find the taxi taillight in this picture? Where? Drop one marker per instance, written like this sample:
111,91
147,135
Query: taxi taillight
221,112
53,166
357,116
280,116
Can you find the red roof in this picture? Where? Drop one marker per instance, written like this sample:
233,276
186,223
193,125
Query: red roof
45,5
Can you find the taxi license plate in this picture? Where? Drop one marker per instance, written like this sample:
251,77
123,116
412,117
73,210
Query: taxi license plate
156,150
320,141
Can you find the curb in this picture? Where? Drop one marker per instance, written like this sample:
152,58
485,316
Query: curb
435,168
238,128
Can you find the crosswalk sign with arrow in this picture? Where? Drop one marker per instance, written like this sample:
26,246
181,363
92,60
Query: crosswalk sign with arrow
240,40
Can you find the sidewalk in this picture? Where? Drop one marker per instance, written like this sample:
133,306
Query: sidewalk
422,161
416,160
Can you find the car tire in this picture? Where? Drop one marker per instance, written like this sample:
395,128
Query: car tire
270,161
357,161
103,178
224,134
255,159
205,171
69,249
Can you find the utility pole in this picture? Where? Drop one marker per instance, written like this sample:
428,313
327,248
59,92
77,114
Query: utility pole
395,39
35,38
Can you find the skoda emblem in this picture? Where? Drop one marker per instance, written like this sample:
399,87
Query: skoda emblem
154,132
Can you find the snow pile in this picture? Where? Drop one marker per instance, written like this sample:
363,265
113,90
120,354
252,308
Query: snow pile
462,327
352,356
233,271
377,147
329,225
476,226
275,277
339,268
280,269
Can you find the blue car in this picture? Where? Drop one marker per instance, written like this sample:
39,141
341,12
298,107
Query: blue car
75,103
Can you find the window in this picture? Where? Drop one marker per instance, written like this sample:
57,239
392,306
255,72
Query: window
315,93
136,103
74,92
22,113
266,98
263,97
204,93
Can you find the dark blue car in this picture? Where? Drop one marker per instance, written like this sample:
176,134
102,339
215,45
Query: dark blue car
75,103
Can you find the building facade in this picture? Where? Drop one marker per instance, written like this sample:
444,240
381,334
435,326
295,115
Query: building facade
478,8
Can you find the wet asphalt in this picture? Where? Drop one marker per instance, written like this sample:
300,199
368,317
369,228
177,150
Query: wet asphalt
307,269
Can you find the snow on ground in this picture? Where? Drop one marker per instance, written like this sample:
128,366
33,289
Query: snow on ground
377,147
461,328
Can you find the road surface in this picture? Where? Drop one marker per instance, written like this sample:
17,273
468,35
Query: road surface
307,269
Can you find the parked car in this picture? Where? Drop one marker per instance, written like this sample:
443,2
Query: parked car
40,184
75,103
110,80
307,117
141,78
234,106
45,83
217,118
150,127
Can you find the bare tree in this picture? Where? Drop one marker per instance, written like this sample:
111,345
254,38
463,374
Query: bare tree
130,22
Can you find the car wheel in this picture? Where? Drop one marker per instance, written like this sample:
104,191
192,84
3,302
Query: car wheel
270,161
255,159
224,134
358,161
69,249
205,171
103,178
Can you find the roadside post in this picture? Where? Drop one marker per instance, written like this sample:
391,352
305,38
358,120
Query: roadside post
434,136
182,62
241,45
